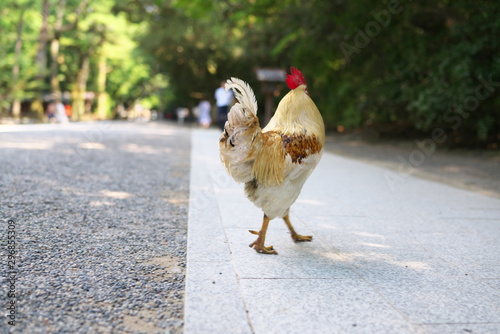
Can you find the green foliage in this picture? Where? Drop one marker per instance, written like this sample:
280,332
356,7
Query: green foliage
94,32
417,64
10,16
367,62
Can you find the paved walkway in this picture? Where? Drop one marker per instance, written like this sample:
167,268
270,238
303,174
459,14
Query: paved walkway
421,257
474,170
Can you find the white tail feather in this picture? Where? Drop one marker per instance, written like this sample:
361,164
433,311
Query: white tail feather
243,93
240,131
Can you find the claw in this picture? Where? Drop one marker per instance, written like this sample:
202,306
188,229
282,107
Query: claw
253,232
299,238
263,249
260,248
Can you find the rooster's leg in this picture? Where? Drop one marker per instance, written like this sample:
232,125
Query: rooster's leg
296,237
258,244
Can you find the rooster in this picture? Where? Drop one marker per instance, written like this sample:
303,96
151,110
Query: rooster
273,162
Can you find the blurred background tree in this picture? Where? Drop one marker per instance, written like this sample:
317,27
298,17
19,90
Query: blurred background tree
74,50
396,68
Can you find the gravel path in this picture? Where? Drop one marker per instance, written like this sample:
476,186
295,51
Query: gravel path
100,213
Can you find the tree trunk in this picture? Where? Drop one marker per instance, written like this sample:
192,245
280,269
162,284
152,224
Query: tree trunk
54,51
54,69
16,104
101,88
41,55
80,88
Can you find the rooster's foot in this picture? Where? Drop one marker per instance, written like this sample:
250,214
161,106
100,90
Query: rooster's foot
299,238
296,237
259,247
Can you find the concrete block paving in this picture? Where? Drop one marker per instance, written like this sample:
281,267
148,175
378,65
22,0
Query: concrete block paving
419,258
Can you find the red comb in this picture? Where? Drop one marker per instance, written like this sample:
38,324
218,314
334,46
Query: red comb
295,79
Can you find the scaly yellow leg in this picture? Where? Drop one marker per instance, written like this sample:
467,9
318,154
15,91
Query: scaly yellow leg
258,244
296,237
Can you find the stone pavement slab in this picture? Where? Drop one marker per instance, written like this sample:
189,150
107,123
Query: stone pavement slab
422,257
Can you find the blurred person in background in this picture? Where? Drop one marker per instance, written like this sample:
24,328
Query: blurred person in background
204,114
60,113
223,100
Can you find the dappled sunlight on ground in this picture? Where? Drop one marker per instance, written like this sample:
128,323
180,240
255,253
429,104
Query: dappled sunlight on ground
369,244
311,202
116,194
145,149
101,203
27,146
92,146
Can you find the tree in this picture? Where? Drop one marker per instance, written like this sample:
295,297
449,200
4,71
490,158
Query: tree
398,67
18,33
43,38
57,30
16,104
